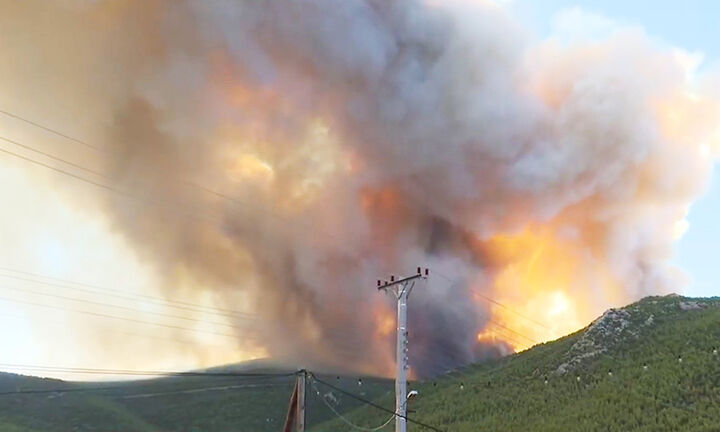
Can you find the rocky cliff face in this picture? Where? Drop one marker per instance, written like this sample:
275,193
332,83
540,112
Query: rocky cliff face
617,326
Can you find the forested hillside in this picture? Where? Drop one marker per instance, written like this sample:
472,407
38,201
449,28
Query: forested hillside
651,366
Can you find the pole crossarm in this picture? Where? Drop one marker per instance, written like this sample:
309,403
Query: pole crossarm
387,285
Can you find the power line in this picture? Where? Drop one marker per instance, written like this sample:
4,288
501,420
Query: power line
119,318
50,156
25,290
184,182
58,133
510,338
93,328
65,390
129,296
495,323
489,299
491,321
158,373
51,130
367,402
201,389
105,186
127,387
346,420
484,297
61,171
203,188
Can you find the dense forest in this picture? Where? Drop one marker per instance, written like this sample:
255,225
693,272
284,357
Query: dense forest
652,366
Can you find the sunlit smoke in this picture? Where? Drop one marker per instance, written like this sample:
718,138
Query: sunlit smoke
291,153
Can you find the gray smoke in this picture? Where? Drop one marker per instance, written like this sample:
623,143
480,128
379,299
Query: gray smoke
355,139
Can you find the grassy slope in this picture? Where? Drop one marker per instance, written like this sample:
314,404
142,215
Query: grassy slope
167,404
615,392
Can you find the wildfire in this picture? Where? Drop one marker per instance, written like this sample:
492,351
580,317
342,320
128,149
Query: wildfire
543,287
384,322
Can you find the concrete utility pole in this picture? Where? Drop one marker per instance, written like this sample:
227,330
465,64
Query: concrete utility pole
401,289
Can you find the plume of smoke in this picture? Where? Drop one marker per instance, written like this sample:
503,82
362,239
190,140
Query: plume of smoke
361,138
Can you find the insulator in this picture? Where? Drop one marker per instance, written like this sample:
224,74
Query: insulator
392,278
379,282
418,270
427,272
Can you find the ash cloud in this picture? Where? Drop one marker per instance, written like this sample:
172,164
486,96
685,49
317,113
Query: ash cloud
362,138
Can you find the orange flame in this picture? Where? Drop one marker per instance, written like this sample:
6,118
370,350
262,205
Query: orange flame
540,289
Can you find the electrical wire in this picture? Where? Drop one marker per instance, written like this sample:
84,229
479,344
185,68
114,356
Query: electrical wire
484,297
199,390
94,328
489,299
103,304
51,130
243,204
127,387
129,296
367,402
347,421
491,321
96,148
63,390
96,371
495,323
182,209
50,156
118,318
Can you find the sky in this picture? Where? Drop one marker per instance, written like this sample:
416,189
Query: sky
692,25
72,242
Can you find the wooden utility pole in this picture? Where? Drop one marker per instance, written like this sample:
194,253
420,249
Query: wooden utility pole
292,411
301,379
295,418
